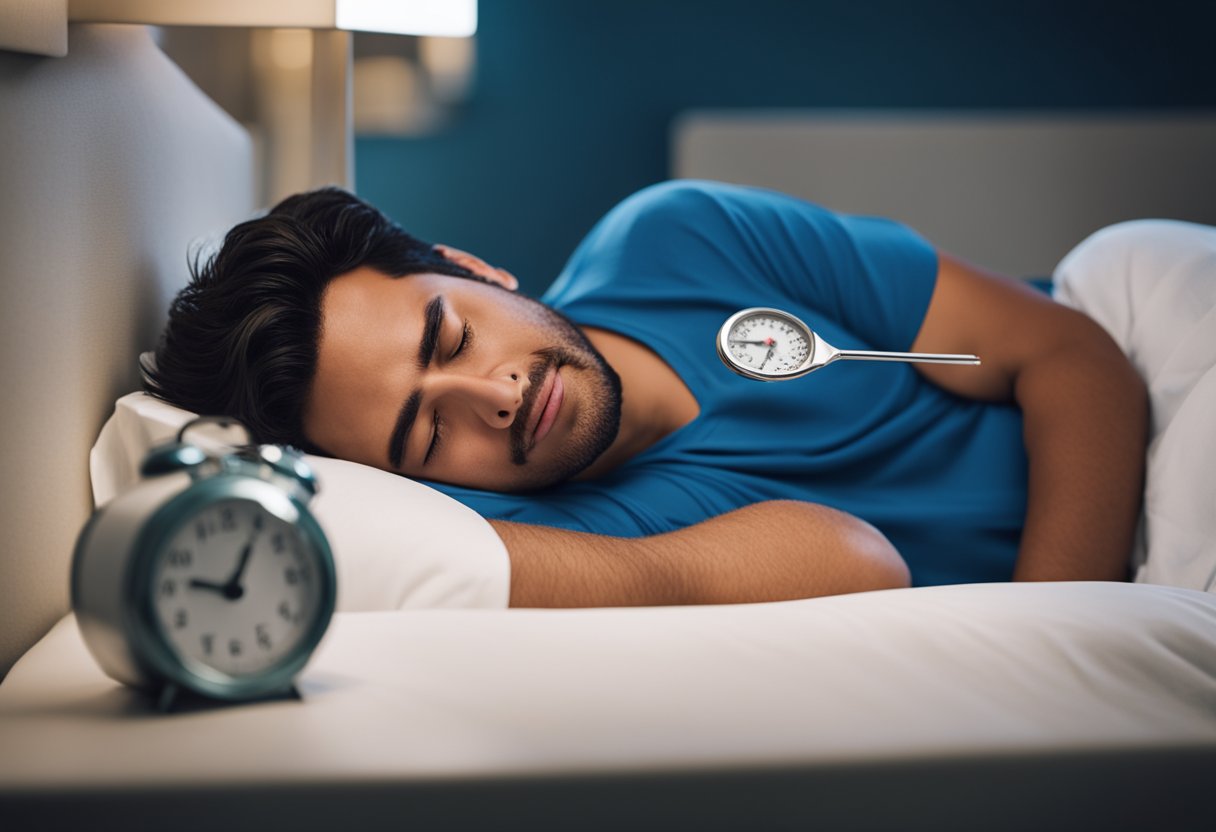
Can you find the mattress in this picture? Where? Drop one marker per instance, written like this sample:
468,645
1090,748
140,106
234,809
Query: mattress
1082,700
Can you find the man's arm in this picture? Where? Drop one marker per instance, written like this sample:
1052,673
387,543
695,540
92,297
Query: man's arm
769,551
1085,415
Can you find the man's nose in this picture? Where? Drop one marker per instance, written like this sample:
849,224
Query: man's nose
495,398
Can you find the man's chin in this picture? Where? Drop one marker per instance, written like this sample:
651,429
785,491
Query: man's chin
578,464
543,481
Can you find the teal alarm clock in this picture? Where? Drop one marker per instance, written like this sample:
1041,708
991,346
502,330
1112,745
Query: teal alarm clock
210,576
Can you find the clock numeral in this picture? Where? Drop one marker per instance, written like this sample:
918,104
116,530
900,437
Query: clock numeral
263,637
278,544
297,575
257,522
234,647
168,587
181,557
227,520
179,619
285,611
208,643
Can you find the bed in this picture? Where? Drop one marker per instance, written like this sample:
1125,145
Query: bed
429,704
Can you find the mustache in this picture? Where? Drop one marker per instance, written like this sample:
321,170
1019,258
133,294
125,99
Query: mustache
550,358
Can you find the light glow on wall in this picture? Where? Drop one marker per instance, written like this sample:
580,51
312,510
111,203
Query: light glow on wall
441,18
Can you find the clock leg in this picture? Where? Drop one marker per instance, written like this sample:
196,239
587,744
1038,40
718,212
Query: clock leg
166,697
171,696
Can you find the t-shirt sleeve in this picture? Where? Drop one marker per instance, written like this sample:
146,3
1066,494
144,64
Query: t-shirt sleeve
633,501
884,276
872,277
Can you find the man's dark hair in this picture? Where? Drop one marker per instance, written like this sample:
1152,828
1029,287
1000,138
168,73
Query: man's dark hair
242,336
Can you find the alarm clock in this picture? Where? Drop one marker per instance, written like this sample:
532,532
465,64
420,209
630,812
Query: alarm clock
209,576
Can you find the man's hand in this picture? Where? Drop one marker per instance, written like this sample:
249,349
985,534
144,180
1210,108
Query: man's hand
1085,413
770,551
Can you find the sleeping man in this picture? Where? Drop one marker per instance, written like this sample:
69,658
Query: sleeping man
619,460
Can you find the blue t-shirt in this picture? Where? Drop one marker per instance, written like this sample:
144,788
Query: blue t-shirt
943,477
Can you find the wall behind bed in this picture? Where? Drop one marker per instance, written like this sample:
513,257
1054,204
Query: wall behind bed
573,99
112,164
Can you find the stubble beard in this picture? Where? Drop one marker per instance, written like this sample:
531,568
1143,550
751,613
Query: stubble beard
598,419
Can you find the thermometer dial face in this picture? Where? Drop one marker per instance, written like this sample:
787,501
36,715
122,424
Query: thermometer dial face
765,344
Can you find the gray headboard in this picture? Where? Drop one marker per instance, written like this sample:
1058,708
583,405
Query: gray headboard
113,164
1012,192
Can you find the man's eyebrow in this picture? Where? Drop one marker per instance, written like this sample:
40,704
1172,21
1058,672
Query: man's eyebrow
405,423
432,317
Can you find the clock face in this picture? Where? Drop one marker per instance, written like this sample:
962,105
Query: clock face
768,343
235,588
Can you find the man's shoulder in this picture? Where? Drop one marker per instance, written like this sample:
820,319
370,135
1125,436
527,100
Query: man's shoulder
691,212
684,238
675,215
676,198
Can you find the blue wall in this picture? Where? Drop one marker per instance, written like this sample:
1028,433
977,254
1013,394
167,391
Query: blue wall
573,98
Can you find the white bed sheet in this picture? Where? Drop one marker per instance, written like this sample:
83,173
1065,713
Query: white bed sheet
411,696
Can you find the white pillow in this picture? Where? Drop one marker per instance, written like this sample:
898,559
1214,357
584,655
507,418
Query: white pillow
1152,285
397,543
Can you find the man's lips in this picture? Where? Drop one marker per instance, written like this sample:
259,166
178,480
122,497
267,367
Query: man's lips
548,403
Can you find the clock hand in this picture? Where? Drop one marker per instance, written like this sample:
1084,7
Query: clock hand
198,583
757,343
768,355
233,589
230,590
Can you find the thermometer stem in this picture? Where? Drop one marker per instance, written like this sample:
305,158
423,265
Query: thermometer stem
918,357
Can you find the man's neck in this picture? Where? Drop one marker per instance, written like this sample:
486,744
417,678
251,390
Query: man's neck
655,401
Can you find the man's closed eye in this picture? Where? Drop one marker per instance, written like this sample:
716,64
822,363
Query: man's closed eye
436,437
466,337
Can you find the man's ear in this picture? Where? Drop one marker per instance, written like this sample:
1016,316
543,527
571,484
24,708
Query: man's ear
479,267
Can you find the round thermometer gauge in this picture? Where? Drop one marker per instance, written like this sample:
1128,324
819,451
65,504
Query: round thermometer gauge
766,344
772,345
